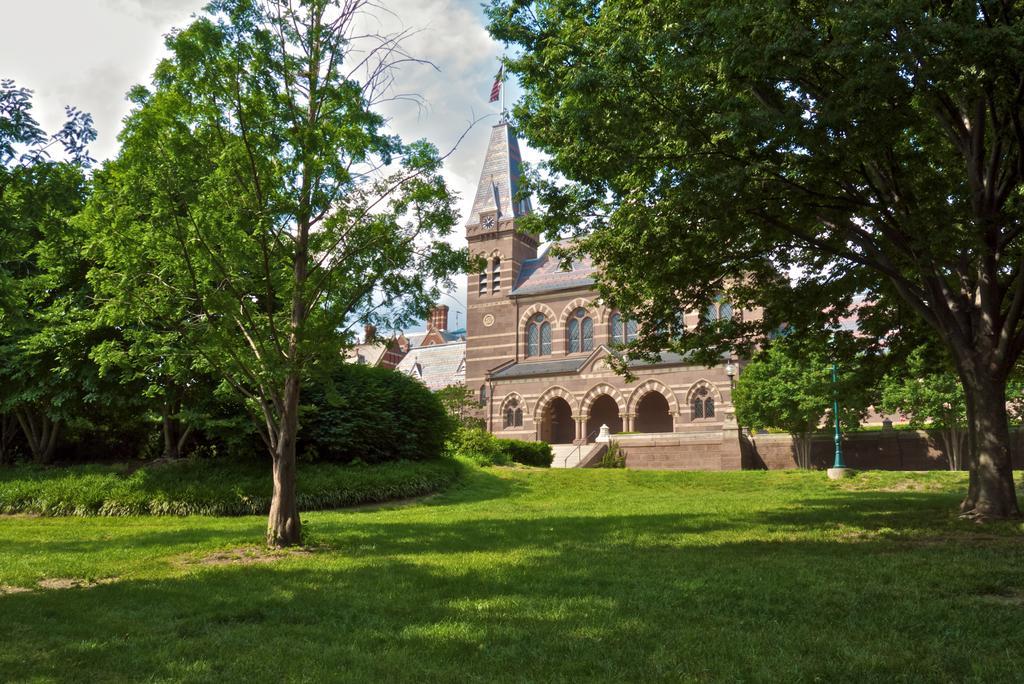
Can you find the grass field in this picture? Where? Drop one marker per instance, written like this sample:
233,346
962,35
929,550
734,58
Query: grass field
535,575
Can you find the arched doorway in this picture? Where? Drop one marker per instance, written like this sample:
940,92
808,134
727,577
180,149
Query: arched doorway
557,425
652,414
604,411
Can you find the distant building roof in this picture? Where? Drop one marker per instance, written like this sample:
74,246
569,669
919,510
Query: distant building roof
545,274
368,354
416,339
437,366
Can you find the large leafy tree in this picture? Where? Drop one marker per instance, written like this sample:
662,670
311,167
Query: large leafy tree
858,147
46,377
257,184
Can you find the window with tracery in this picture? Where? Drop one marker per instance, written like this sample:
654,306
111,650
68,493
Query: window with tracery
622,330
703,405
513,414
538,336
580,332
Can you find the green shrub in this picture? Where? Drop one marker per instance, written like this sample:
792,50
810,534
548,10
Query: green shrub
483,448
529,453
613,457
478,446
374,415
198,487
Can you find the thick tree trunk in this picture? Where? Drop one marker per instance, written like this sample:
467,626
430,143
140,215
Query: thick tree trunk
283,526
991,491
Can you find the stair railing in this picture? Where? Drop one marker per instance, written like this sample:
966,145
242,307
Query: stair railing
576,451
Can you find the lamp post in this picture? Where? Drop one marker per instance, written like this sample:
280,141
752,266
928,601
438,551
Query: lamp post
730,370
838,469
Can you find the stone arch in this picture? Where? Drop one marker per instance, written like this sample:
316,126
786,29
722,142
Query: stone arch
509,397
653,385
572,306
535,309
716,397
703,384
549,394
597,390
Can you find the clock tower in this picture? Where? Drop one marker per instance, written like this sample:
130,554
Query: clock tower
491,230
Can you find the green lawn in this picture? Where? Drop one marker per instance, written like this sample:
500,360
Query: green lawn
537,575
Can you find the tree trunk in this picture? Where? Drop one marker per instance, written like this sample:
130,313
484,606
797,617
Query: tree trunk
803,444
40,433
283,526
175,433
991,492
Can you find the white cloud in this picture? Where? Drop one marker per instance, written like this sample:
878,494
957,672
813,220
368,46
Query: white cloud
89,53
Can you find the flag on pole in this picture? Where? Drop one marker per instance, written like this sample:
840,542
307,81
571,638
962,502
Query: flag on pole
496,88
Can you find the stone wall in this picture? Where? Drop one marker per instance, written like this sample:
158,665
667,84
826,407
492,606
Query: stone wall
728,450
718,450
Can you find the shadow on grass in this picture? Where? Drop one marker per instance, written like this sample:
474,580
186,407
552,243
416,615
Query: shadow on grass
556,598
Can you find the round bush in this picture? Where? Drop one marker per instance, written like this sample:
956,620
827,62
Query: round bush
373,415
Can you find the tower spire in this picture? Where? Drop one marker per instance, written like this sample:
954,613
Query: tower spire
499,179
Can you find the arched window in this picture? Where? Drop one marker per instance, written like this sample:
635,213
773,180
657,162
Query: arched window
483,282
580,333
703,405
623,330
513,414
496,275
725,311
483,395
711,313
538,336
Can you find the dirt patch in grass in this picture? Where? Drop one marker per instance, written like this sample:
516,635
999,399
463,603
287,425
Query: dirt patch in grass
1012,599
247,555
59,583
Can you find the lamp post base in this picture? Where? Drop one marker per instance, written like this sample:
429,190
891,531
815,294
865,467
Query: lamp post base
840,473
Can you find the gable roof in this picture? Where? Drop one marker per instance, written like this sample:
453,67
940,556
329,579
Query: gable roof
437,366
545,274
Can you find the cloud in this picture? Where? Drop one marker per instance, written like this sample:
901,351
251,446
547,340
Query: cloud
88,53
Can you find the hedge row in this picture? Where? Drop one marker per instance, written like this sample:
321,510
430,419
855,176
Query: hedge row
208,488
483,448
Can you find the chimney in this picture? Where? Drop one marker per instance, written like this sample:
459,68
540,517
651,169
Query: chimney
439,318
369,334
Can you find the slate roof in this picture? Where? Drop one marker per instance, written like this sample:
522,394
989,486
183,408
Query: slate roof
436,366
545,274
566,365
368,354
528,368
499,178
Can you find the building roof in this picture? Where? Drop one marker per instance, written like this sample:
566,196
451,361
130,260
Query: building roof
499,178
368,354
415,339
566,365
437,366
545,274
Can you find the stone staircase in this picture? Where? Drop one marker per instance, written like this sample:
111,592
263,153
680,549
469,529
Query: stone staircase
573,456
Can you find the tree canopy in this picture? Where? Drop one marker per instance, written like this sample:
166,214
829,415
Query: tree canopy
259,199
792,155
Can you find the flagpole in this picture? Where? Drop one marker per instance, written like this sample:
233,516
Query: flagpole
504,115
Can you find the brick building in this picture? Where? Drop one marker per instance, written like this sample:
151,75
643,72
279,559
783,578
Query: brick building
538,340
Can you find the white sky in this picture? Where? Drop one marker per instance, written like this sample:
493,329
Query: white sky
88,53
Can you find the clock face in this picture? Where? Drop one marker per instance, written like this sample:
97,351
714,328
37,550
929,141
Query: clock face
488,221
